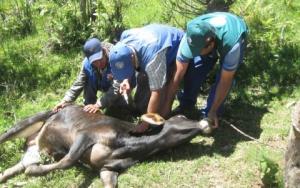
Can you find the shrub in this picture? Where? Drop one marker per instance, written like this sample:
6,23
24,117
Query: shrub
66,28
109,19
16,20
271,60
269,171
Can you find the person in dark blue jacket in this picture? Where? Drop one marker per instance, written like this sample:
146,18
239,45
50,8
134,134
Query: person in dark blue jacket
95,75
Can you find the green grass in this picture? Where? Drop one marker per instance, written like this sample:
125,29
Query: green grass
33,79
226,158
139,14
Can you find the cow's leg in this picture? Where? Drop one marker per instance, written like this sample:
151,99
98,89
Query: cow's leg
81,143
12,171
30,158
111,169
96,157
109,178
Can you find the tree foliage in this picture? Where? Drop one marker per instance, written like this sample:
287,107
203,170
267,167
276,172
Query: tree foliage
191,8
109,19
67,27
76,21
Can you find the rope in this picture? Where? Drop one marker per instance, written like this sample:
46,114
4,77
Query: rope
248,136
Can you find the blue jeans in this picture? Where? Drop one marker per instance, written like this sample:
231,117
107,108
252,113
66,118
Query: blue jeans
197,73
195,76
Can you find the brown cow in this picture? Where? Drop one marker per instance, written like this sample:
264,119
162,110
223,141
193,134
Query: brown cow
104,143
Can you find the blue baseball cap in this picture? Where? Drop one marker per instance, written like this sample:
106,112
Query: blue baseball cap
197,33
93,49
121,62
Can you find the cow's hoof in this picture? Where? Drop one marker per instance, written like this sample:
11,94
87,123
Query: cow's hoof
205,126
34,170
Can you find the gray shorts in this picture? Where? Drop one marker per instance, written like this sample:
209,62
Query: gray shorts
156,77
157,70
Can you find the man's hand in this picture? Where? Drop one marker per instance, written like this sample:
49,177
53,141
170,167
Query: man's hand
60,106
91,108
172,87
124,87
222,90
214,118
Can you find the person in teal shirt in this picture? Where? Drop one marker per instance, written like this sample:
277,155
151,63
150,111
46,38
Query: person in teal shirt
209,37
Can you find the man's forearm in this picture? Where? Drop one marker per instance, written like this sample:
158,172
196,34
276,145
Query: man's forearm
171,89
173,86
72,94
154,101
76,88
222,89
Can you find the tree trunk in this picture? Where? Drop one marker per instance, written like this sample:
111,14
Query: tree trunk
83,10
218,5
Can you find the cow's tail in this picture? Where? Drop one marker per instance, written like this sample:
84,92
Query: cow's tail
26,127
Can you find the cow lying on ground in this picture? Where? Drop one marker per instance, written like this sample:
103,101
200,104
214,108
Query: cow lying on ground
102,142
292,154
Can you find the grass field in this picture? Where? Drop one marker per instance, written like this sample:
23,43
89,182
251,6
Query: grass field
33,79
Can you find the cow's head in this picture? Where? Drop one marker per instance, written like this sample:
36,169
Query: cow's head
156,119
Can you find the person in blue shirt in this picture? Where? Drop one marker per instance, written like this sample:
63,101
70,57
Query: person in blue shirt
149,51
209,37
95,75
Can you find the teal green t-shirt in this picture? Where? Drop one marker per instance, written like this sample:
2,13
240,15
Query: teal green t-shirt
228,29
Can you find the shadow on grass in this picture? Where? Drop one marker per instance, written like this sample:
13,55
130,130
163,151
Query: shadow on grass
88,174
245,117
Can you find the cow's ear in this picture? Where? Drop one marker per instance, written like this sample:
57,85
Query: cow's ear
153,119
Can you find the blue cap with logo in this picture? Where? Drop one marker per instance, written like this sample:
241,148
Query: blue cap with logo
93,49
197,33
121,62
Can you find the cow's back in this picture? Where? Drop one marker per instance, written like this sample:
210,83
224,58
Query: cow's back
61,129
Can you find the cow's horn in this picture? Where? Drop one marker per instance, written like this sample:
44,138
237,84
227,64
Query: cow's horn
153,118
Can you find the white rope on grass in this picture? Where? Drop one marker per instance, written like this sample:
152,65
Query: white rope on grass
248,136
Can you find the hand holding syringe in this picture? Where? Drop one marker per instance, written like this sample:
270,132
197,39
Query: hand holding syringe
124,88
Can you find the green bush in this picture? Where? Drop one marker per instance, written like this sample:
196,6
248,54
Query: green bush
20,70
72,22
16,20
109,19
269,172
66,28
271,62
